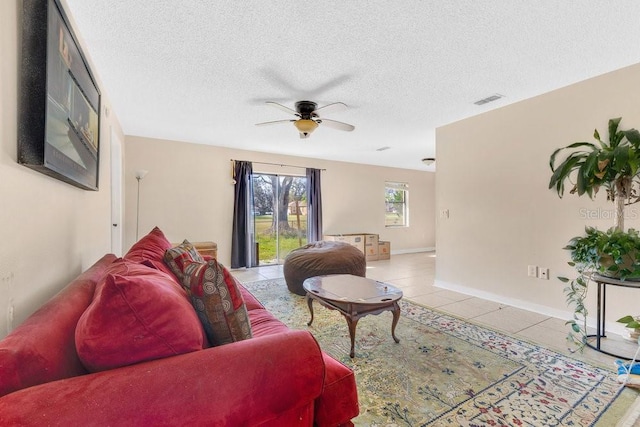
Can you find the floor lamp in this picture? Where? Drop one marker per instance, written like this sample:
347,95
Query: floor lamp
139,175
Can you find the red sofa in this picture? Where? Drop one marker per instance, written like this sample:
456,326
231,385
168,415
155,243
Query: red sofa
280,377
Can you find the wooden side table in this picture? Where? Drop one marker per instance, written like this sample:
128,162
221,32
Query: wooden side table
207,248
204,248
602,282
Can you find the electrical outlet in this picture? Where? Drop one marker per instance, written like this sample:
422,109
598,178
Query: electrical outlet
543,273
532,271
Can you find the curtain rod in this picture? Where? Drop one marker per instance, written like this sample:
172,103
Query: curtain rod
276,164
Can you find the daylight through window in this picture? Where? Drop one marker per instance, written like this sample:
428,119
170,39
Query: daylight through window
396,204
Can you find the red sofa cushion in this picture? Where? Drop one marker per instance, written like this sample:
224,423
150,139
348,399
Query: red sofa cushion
137,314
264,323
150,251
249,300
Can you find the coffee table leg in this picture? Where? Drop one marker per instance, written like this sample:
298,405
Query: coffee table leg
396,317
310,304
352,333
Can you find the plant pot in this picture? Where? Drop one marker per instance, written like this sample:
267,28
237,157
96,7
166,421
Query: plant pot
631,334
628,262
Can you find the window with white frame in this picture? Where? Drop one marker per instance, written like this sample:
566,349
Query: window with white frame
396,197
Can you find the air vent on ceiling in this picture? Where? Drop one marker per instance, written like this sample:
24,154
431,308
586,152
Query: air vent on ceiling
488,99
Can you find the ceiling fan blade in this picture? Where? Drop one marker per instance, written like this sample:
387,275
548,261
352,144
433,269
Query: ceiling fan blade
281,80
275,122
337,125
324,87
283,108
333,107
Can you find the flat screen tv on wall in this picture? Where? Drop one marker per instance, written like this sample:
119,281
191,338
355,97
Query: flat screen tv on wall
59,100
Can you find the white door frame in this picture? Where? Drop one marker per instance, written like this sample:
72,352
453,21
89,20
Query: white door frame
116,193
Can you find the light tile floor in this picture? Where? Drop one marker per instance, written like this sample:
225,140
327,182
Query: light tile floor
414,274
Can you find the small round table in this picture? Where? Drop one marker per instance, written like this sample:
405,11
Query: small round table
353,297
602,282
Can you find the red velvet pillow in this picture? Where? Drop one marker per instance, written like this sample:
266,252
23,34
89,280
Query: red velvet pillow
128,268
150,250
136,317
218,302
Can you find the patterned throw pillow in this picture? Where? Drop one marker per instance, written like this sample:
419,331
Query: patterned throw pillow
177,257
218,302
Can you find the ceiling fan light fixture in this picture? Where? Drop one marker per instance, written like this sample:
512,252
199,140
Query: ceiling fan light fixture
308,117
428,160
305,126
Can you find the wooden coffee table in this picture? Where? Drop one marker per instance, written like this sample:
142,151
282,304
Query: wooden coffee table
353,297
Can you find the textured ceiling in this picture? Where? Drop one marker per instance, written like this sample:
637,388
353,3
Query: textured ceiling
201,70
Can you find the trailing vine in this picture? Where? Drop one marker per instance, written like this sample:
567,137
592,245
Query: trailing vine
609,253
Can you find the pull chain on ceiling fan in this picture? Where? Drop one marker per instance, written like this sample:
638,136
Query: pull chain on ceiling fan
309,118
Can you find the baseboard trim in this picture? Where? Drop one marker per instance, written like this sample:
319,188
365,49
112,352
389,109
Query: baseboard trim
612,327
412,251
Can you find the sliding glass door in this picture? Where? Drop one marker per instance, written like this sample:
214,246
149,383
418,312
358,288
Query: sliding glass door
280,216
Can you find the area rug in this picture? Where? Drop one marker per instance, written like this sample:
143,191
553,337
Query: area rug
449,372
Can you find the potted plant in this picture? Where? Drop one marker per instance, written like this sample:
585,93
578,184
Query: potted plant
612,164
613,253
633,327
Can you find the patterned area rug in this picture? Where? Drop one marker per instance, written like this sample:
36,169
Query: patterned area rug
448,372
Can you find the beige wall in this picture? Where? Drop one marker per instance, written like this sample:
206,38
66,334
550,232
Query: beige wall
50,230
493,176
188,193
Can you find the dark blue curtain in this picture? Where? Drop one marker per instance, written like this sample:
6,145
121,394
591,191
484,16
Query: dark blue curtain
314,205
242,247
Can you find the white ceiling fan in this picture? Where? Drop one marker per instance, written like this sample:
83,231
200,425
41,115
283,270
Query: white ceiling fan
308,117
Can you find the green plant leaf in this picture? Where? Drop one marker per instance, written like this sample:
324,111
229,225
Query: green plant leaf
563,172
620,158
589,171
552,159
613,129
625,319
633,136
563,279
633,164
617,139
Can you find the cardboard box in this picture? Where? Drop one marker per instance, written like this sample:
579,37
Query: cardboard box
371,247
356,240
384,250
